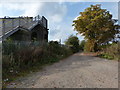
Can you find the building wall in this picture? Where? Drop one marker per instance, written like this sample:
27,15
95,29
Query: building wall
41,32
10,23
38,33
118,20
20,35
1,27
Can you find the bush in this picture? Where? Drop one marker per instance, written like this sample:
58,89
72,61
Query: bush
82,44
112,51
18,57
73,43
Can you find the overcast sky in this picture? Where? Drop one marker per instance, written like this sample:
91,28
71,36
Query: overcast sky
59,14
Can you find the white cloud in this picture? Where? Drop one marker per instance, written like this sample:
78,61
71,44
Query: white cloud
119,13
56,18
54,12
61,32
29,9
4,1
32,9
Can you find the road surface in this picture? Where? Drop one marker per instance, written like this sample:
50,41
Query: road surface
76,71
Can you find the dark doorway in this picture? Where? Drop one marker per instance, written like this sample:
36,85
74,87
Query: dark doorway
46,37
34,36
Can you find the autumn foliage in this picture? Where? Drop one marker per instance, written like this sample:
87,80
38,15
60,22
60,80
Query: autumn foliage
97,26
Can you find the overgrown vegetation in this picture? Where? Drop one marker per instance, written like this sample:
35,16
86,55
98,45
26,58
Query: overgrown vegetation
111,51
97,26
73,43
99,29
82,45
18,58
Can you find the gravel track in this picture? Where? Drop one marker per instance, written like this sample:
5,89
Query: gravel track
76,71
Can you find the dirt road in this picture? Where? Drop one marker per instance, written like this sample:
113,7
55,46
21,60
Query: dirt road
76,71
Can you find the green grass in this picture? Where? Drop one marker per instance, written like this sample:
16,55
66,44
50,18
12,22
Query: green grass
25,72
106,56
22,73
24,59
111,52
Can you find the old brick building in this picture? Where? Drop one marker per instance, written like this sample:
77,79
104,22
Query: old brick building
24,28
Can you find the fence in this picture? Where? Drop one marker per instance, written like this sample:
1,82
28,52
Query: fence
11,23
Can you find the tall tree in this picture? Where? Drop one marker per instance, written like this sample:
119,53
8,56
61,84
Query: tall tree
73,43
82,44
96,25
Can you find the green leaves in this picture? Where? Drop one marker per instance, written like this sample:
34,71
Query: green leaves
73,43
96,25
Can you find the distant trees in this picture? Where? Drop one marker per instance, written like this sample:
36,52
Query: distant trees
21,57
111,51
82,45
97,26
73,43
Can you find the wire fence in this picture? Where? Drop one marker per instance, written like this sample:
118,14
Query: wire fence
26,22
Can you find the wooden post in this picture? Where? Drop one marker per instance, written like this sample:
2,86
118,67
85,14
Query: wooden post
12,23
3,25
19,21
46,24
35,19
38,17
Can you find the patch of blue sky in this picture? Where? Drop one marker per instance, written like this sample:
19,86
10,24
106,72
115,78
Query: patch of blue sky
72,11
74,8
11,12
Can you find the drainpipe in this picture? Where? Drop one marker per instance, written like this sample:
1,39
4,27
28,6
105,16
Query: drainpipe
3,25
19,20
12,23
